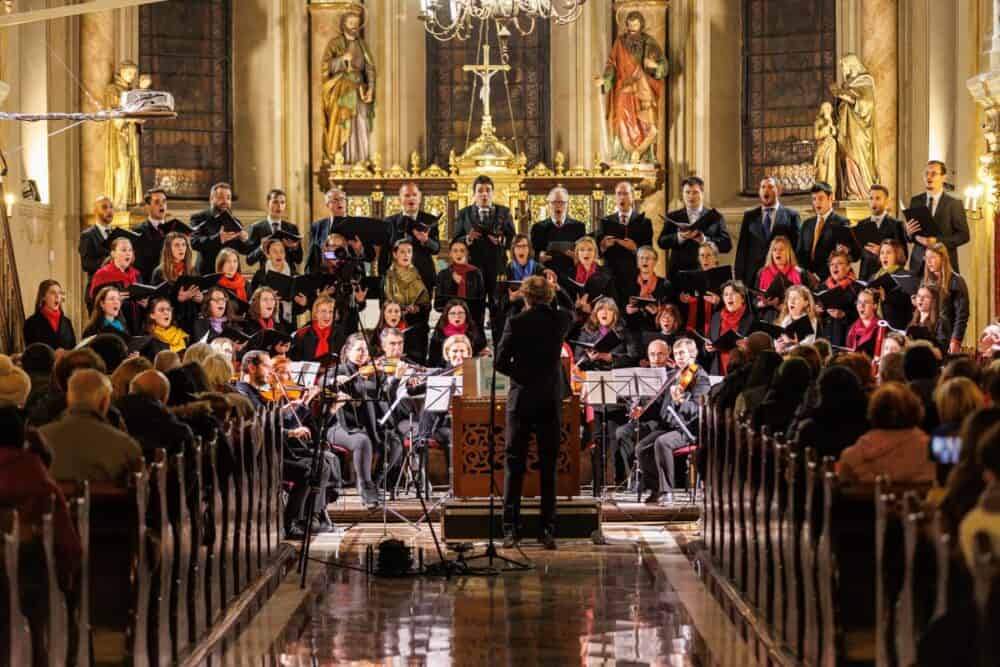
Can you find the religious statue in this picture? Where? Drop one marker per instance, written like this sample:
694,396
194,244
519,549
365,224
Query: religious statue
856,129
825,132
122,178
348,92
633,82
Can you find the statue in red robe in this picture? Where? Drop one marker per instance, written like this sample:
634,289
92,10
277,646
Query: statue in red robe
633,81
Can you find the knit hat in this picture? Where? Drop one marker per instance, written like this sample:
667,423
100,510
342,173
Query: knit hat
15,385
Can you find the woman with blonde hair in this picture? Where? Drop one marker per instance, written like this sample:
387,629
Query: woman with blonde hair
320,338
781,266
218,371
590,281
798,303
953,294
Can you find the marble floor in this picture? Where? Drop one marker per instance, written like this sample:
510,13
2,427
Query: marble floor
634,601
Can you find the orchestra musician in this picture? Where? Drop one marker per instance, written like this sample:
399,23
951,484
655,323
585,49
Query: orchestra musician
529,352
678,420
643,423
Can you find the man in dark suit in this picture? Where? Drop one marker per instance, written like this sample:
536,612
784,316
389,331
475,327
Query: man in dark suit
487,251
619,253
408,224
277,203
948,212
558,227
149,245
683,244
336,204
888,228
93,246
209,238
529,352
816,238
759,227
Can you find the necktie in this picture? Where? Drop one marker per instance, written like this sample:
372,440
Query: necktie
932,203
820,222
767,223
624,221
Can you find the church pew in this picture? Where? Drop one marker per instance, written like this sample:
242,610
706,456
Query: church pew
986,575
809,537
777,534
788,471
16,637
740,511
181,571
729,498
754,520
918,594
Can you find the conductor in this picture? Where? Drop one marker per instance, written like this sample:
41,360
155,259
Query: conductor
529,352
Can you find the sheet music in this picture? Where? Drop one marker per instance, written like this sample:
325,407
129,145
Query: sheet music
640,382
602,388
440,389
305,372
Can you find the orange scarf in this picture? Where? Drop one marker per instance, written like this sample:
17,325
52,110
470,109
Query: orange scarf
647,287
237,285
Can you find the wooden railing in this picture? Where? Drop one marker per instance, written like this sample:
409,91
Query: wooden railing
165,561
821,572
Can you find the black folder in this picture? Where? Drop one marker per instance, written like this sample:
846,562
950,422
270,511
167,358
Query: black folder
922,214
697,282
372,232
606,343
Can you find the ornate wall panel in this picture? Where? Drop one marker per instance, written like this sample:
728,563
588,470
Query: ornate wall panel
186,46
789,63
449,90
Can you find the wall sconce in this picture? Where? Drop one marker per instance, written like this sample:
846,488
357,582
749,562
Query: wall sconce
8,201
974,202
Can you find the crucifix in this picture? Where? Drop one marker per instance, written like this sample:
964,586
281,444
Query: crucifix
486,72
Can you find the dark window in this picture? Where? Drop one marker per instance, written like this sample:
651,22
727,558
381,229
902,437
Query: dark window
186,46
449,91
789,62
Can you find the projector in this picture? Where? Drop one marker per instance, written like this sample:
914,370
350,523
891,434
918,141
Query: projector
139,101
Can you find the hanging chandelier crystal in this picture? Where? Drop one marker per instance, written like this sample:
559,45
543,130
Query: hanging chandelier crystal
455,19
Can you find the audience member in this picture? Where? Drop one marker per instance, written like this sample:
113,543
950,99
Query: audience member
895,446
122,376
985,516
920,367
783,396
38,361
111,348
84,445
15,385
838,419
965,482
890,368
166,361
147,418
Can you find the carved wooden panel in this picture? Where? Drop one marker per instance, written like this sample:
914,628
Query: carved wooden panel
449,91
470,450
186,46
789,63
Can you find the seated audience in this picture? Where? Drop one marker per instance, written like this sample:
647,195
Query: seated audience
985,516
122,376
788,386
84,445
838,418
38,360
147,418
895,446
51,406
965,482
166,361
15,385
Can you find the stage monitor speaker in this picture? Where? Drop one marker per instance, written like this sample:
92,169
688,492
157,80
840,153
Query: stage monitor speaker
466,519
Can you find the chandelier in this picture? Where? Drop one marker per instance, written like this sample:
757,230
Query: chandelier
455,19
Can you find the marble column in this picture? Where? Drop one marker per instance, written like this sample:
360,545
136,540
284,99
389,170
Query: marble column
97,66
879,53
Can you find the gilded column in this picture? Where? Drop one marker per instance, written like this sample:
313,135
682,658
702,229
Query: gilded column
97,65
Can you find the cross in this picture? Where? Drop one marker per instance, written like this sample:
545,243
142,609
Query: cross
486,72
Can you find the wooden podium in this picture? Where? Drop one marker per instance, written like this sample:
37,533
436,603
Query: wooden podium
470,450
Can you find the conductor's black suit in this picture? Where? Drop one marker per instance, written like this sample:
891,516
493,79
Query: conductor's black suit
529,352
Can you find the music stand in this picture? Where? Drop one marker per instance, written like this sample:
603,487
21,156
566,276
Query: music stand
601,389
643,383
437,400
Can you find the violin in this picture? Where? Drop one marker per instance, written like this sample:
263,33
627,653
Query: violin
687,376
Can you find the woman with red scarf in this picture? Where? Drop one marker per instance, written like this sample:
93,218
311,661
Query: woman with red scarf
117,268
835,322
642,301
464,281
228,264
49,324
735,315
590,281
700,308
455,321
781,266
865,335
176,260
320,337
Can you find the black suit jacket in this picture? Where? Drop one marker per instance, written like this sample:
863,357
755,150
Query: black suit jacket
529,352
816,262
891,228
93,250
545,232
684,254
148,249
488,258
751,249
400,226
318,231
260,230
620,261
950,219
206,241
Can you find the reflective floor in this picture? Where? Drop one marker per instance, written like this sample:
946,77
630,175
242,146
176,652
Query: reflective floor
581,605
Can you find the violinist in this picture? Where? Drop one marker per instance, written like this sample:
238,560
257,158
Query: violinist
257,371
355,424
678,421
643,420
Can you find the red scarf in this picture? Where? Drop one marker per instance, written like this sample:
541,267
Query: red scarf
237,285
450,329
730,321
463,271
266,325
769,273
692,317
322,340
845,283
859,334
109,274
53,317
583,274
647,287
179,268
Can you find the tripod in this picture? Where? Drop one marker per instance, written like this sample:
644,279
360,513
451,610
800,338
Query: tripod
491,553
